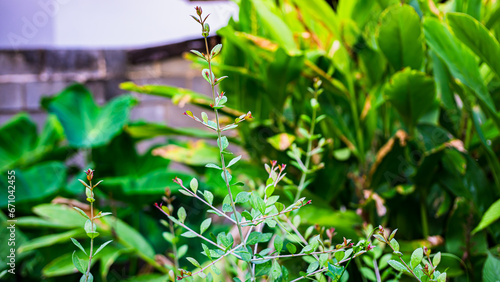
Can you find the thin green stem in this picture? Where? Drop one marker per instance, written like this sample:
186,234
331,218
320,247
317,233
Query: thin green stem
91,239
301,187
423,213
174,248
221,150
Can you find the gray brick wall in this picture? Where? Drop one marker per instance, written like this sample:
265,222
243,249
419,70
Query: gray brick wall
28,76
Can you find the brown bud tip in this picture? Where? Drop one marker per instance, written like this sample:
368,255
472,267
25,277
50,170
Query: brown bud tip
177,180
90,174
199,11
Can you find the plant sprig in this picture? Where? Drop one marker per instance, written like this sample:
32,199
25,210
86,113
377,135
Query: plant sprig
264,211
91,230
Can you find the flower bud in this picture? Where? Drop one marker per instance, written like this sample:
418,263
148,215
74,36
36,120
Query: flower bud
199,11
90,174
206,30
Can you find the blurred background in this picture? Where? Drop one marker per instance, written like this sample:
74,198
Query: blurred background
406,133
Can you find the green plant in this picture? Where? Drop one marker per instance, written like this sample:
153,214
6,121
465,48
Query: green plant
411,109
90,230
321,255
427,272
47,187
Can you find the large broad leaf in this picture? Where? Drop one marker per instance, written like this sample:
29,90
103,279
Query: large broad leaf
129,237
50,240
143,130
491,269
412,93
400,37
490,216
198,153
35,183
20,144
178,95
475,36
461,63
85,124
359,11
272,23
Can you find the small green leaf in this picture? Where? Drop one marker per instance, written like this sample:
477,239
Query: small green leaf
224,142
339,255
416,257
189,234
395,245
213,166
254,238
205,225
181,214
229,176
490,216
312,267
89,226
194,262
243,197
103,214
257,203
208,196
197,53
182,251
215,269
379,237
92,234
208,76
393,233
216,50
275,270
204,117
278,243
82,212
397,265
194,185
78,245
441,277
79,263
291,248
102,246
233,161
269,191
436,259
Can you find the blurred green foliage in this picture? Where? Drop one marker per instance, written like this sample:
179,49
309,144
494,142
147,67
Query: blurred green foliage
411,99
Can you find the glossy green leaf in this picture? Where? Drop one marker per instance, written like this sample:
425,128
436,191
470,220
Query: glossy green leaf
475,36
400,37
278,243
78,245
205,225
491,269
460,62
416,257
85,124
274,25
397,265
49,240
102,247
412,93
79,263
21,145
50,177
490,216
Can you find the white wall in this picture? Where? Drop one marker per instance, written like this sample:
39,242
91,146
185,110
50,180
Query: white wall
26,24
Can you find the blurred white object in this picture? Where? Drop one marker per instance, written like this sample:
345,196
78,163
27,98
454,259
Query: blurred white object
110,24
